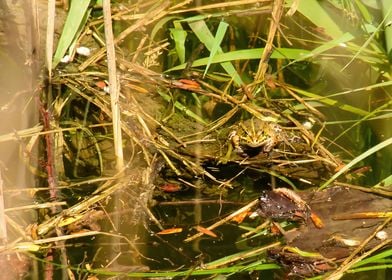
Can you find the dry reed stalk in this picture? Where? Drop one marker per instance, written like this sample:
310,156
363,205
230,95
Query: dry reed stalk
3,225
277,12
352,259
50,36
101,193
114,86
221,5
149,17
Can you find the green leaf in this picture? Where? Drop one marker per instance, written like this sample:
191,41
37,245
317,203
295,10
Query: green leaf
313,11
356,160
76,19
220,34
182,108
376,258
179,36
160,25
204,34
331,102
340,41
385,182
387,13
280,53
367,16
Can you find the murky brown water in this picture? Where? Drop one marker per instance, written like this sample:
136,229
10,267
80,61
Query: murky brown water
18,78
19,56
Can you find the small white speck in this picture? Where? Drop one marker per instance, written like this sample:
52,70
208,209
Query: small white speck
382,235
307,124
65,59
84,51
343,45
253,215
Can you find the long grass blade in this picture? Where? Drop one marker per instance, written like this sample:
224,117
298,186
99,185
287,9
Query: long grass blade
77,16
313,11
376,258
179,36
202,32
356,160
331,102
182,108
220,34
386,9
279,53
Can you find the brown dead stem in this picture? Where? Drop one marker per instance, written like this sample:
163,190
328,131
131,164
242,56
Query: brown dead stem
353,258
225,220
277,12
114,86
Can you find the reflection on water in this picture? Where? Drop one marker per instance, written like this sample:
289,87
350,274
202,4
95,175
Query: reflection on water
18,79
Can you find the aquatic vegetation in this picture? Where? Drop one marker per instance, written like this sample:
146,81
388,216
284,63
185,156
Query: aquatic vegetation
169,125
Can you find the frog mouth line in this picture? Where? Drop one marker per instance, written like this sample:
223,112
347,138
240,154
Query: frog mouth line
255,145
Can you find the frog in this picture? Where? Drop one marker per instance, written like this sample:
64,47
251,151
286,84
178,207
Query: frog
252,136
282,204
299,264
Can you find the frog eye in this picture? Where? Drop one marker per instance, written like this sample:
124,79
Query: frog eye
232,134
263,197
277,128
260,133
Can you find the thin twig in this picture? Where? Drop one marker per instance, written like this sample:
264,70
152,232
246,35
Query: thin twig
224,220
350,261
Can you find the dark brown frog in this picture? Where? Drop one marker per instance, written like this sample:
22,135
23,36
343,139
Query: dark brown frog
283,205
300,265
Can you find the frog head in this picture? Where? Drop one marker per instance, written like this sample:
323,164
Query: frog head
252,135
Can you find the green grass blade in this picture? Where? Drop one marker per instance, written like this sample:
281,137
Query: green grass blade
187,273
346,37
386,10
370,268
359,158
376,258
239,256
313,11
182,108
331,102
385,182
220,34
77,17
364,118
179,36
366,15
202,32
160,25
280,53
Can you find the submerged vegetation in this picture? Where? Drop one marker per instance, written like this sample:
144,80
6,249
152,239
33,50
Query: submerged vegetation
183,139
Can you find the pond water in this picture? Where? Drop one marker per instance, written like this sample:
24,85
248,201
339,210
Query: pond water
200,141
19,80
